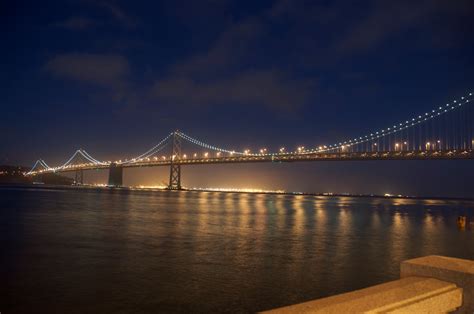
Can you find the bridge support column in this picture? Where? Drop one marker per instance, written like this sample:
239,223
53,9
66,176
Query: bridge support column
79,177
38,178
175,168
115,175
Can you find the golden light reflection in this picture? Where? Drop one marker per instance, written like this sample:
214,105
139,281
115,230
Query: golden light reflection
240,190
298,208
403,201
229,200
245,209
260,203
281,210
321,218
430,234
259,218
203,212
375,217
298,228
399,235
343,228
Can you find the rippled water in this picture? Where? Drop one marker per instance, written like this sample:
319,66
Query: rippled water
76,251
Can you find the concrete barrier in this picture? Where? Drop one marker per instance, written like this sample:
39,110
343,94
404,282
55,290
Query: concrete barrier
455,270
431,284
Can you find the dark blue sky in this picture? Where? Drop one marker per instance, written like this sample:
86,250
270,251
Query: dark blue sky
114,77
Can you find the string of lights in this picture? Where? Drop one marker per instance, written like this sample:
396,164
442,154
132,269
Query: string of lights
204,145
452,131
151,151
398,127
44,164
79,151
90,158
41,163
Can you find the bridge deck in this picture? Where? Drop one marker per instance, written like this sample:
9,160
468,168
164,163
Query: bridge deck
348,156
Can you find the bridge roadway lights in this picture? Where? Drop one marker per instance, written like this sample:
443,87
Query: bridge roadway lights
115,175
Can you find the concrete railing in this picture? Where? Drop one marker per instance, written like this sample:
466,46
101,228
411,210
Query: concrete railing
431,284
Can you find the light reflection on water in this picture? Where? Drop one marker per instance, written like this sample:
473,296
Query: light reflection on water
137,251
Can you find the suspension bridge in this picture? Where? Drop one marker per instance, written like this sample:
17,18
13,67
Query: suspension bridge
446,132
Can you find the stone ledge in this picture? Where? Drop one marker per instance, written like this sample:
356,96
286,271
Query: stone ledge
455,270
411,294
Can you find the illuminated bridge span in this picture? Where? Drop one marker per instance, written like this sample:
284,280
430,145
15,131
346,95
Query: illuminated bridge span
446,132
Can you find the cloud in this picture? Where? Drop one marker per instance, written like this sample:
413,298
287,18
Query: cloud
118,13
77,23
113,10
387,19
231,48
268,88
97,69
225,75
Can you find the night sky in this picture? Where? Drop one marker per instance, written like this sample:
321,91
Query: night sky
114,77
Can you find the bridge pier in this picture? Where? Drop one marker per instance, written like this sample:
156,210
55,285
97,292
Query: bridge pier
175,168
175,177
115,175
38,178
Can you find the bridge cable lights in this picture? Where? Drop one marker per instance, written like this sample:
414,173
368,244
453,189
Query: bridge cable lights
39,162
155,149
457,133
84,154
403,126
204,145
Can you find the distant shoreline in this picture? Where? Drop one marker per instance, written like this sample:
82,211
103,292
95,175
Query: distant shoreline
329,195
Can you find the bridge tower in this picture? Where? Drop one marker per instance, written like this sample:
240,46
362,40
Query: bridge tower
175,168
79,177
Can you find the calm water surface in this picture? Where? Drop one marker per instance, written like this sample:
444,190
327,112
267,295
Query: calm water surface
87,251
